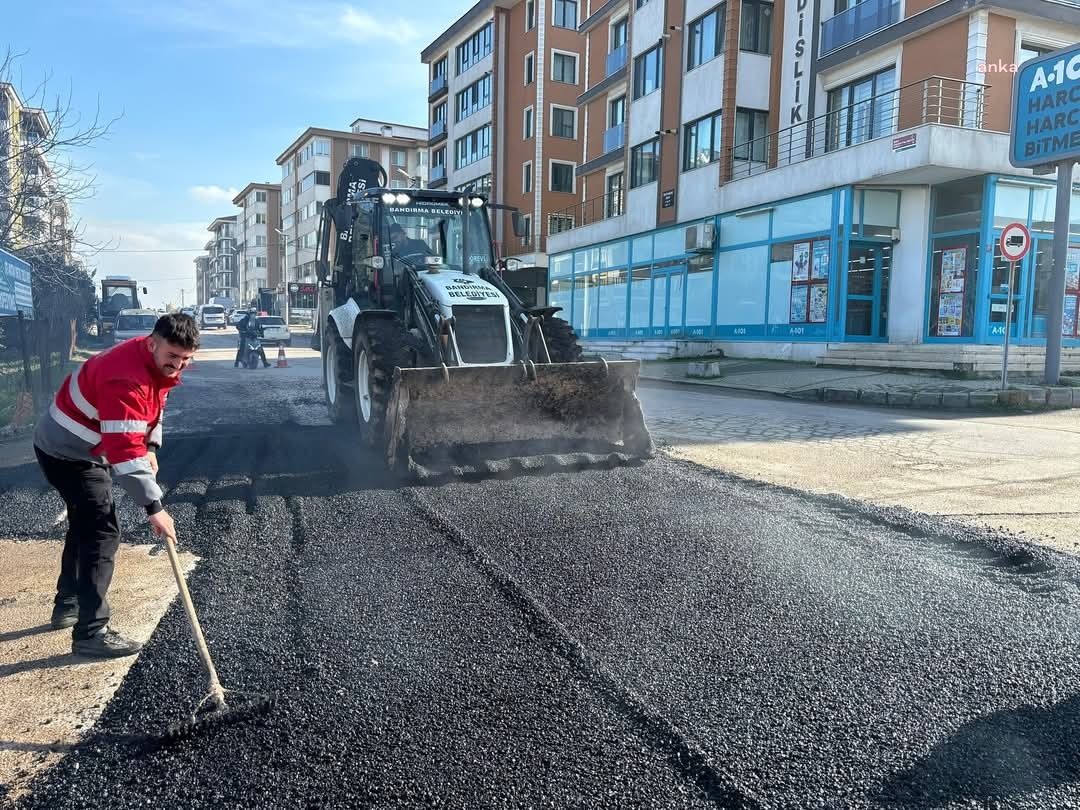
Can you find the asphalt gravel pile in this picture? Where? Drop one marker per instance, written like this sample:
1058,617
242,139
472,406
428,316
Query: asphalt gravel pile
657,636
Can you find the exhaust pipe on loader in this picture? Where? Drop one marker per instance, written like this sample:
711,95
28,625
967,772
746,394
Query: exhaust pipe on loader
522,416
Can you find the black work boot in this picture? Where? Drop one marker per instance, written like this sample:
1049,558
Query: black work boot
105,643
64,614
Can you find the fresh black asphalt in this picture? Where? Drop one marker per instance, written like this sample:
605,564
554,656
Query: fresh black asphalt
652,636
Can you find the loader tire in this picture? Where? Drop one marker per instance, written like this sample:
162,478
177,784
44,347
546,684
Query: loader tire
337,372
379,347
562,341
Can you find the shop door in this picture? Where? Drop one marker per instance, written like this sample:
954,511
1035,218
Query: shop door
867,291
999,291
668,300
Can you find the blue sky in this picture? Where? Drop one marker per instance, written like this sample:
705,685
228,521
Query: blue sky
208,94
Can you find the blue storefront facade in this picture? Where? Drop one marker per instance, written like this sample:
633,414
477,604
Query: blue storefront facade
830,267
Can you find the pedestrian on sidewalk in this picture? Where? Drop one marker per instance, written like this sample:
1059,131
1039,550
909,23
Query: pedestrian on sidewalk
105,425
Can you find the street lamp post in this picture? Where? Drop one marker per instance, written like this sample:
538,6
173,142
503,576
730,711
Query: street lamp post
285,271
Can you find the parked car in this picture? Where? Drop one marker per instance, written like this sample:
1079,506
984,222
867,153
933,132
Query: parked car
211,316
273,329
133,323
188,311
237,316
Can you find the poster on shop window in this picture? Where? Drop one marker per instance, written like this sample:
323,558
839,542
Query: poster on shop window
819,270
819,303
950,314
800,262
798,304
1072,269
1068,317
953,264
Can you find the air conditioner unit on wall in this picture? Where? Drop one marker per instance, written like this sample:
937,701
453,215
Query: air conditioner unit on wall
701,238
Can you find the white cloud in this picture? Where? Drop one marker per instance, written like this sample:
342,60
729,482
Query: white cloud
276,23
213,194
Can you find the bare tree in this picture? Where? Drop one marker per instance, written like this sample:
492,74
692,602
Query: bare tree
41,178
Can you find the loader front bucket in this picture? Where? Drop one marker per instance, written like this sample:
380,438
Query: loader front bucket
506,418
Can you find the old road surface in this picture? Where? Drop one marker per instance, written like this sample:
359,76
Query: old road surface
656,636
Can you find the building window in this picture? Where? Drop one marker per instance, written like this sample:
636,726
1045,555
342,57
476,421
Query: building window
438,157
322,178
563,122
260,261
530,62
559,223
705,37
287,222
751,127
527,238
526,177
619,31
755,32
474,98
640,3
260,219
613,200
565,14
286,169
643,160
438,115
260,241
313,148
473,147
1029,52
616,111
527,123
286,194
647,72
360,150
701,142
439,70
530,15
260,196
862,110
563,67
562,177
474,49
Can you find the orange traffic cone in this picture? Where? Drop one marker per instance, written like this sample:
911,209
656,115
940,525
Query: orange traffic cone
281,361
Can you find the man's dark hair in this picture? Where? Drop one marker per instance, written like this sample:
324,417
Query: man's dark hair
396,227
178,329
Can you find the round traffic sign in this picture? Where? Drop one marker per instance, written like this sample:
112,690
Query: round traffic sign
1015,241
294,288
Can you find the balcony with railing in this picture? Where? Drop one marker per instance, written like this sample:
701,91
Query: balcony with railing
615,138
589,212
936,100
437,131
437,87
437,176
616,60
857,22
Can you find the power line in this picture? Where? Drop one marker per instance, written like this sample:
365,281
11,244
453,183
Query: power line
162,250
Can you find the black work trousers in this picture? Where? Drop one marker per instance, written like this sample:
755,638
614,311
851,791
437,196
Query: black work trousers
93,536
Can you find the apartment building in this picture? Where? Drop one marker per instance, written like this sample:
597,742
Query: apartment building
202,278
223,276
310,168
504,119
258,242
808,180
32,213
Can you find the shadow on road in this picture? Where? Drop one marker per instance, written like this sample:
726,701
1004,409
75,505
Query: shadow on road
1001,755
15,635
49,662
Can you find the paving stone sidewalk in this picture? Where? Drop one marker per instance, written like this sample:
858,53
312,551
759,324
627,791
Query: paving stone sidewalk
889,388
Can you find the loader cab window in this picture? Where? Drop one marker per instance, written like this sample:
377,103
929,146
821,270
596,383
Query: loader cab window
438,229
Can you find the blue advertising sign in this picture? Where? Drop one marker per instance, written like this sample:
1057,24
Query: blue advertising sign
1046,109
15,290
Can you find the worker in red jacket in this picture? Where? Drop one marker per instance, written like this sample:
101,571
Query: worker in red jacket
105,425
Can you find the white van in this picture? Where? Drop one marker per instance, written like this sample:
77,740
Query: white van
211,316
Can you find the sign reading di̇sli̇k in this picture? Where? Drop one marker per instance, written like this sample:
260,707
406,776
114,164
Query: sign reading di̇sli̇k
1046,109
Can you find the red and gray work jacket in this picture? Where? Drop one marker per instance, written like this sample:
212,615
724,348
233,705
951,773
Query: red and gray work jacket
108,412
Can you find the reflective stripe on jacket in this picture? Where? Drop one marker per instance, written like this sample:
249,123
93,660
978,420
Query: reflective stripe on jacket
109,412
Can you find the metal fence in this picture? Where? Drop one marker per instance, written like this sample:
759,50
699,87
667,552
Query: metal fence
587,212
936,100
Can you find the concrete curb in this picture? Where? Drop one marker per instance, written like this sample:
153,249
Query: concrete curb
1020,397
1024,397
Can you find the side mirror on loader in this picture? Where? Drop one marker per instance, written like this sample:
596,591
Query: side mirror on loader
521,229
